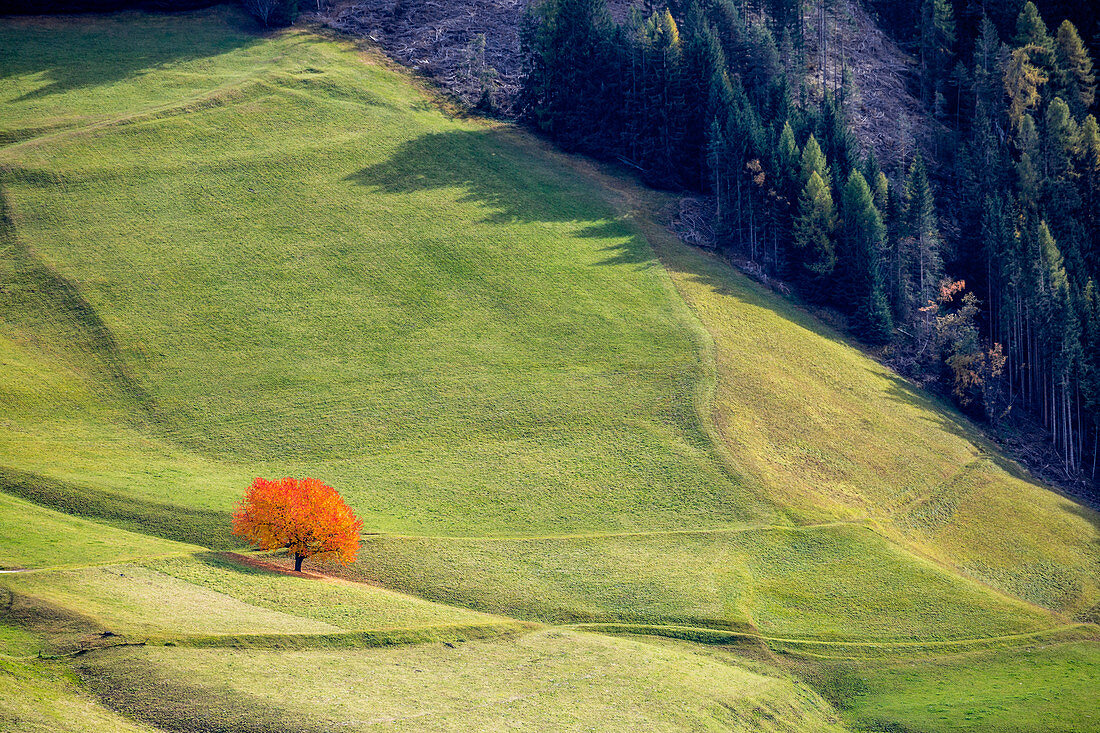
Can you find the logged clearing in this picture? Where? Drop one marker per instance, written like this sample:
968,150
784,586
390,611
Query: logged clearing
225,254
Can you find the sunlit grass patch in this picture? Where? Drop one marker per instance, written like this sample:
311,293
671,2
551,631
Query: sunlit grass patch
61,539
556,680
839,582
343,604
1028,689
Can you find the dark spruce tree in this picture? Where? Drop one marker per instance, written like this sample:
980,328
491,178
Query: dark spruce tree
568,68
861,241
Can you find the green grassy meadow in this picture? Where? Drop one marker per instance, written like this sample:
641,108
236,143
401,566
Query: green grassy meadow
62,539
990,690
227,254
561,676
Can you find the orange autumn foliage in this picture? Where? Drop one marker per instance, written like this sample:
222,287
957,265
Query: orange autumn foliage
306,516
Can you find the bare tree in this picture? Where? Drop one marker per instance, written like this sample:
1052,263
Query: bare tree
262,9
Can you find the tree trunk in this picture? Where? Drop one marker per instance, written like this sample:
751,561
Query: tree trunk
298,562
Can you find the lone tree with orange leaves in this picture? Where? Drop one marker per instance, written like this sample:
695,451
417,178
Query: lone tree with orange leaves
306,516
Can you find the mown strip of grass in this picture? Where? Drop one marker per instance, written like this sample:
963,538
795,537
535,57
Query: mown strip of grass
135,601
347,605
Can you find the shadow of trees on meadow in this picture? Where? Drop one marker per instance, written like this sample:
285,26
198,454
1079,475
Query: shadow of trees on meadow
494,170
100,50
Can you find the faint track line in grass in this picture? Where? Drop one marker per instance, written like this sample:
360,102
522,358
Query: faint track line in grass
195,102
128,560
633,533
704,635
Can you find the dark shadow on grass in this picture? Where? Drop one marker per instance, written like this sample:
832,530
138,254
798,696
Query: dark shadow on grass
32,285
183,524
1089,615
221,562
140,689
939,412
494,172
89,51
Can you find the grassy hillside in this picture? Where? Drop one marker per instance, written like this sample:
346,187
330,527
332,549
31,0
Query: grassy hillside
227,255
839,582
826,429
449,329
993,691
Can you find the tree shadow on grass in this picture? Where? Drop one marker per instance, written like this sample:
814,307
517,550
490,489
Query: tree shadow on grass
99,50
511,183
139,688
202,527
227,563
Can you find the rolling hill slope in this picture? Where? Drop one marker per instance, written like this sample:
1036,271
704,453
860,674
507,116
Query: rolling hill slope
228,255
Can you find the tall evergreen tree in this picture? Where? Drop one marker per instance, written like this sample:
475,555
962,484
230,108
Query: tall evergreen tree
1030,28
1023,80
836,141
1074,77
1027,167
813,237
937,49
862,236
1090,381
703,62
788,183
563,40
1061,200
1088,152
927,243
1062,336
664,103
788,156
813,161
